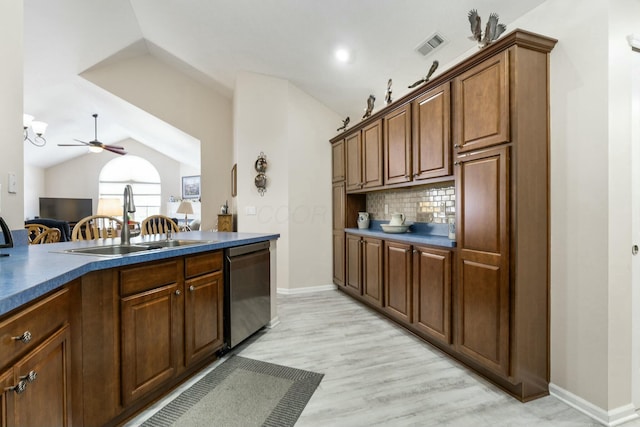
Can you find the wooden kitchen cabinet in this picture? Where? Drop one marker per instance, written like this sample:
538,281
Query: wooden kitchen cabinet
45,374
364,158
482,104
397,145
364,268
152,316
397,280
431,121
203,310
35,364
432,292
338,161
483,288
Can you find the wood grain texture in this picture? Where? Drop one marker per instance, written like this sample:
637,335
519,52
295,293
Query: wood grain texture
397,145
397,280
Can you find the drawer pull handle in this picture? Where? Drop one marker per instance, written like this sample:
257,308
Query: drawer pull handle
25,337
19,388
30,377
178,292
192,288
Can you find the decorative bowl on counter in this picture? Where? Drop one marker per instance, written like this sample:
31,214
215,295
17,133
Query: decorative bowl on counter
388,228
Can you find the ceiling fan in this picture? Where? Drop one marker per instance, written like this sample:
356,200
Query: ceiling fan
95,145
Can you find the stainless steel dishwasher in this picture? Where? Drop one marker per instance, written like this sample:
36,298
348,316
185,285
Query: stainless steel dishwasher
247,293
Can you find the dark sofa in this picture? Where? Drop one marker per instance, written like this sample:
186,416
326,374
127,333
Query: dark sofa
63,226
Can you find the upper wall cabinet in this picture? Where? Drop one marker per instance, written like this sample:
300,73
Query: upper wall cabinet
364,157
482,104
337,161
397,145
432,133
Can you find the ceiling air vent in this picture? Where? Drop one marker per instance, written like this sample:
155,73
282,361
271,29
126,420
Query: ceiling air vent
430,44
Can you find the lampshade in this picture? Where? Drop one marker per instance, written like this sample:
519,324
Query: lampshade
109,207
185,208
39,127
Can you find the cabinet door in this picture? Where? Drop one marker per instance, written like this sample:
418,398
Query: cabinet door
337,163
432,292
482,105
353,150
354,264
432,134
339,198
372,155
483,297
203,316
6,382
397,283
151,329
397,146
372,270
46,374
338,257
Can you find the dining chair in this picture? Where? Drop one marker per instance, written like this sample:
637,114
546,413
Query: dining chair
158,224
50,235
40,233
96,227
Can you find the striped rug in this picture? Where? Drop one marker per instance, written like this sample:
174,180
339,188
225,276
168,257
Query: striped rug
241,392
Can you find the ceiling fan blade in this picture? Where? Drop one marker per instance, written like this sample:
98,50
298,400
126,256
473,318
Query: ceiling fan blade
83,142
112,146
114,150
70,145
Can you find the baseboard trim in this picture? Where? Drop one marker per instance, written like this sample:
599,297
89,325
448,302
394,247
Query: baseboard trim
322,288
273,322
612,418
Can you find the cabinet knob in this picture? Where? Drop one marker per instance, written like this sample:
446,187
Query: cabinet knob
25,337
178,292
19,388
456,145
30,377
192,288
456,163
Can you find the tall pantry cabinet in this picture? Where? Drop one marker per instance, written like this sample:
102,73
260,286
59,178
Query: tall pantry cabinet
484,123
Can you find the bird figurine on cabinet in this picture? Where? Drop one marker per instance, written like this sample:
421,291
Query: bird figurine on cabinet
387,95
369,109
345,122
426,78
492,31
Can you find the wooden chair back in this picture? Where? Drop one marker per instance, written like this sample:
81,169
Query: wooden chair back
96,227
158,224
50,235
39,233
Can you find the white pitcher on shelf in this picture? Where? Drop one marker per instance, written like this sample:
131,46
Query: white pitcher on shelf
397,219
363,220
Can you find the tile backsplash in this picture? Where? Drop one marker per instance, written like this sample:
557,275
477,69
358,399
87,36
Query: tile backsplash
427,203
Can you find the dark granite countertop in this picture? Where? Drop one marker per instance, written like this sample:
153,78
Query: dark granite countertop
31,271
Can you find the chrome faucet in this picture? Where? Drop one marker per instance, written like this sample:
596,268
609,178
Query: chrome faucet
127,207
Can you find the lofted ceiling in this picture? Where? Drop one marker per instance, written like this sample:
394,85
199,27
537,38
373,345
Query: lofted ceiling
289,39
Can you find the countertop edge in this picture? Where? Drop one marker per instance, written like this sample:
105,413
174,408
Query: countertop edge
420,239
33,288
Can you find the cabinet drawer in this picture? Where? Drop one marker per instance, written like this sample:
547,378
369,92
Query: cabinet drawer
39,321
201,264
139,279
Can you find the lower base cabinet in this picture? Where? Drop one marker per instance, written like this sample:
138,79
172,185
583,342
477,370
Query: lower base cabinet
397,281
364,268
432,293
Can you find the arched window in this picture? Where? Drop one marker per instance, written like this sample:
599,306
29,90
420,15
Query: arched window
143,178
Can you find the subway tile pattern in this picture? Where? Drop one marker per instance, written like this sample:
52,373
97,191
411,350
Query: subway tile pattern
429,203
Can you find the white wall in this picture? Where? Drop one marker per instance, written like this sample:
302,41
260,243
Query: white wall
293,130
590,196
169,94
78,177
34,179
11,149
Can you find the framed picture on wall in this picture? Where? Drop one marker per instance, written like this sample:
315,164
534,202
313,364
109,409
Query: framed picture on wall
191,187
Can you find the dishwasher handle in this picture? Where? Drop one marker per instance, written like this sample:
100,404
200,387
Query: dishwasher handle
247,249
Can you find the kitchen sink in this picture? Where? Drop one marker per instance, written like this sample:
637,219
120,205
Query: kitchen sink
109,250
116,250
173,243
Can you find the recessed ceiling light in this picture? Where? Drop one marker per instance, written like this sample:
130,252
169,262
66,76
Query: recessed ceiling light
343,55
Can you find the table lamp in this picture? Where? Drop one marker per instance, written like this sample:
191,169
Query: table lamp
185,208
109,207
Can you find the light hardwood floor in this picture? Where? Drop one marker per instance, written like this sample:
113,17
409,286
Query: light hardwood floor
377,374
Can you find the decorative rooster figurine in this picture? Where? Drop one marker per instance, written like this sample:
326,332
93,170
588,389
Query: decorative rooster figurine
492,31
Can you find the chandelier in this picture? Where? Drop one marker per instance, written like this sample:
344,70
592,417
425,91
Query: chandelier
38,128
